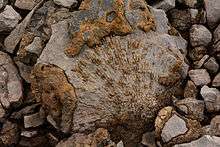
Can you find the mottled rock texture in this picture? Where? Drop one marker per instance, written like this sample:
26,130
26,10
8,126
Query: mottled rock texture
116,82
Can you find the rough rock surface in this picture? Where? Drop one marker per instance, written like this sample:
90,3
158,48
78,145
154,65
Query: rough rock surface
149,64
9,18
66,3
100,137
173,128
216,81
26,4
211,97
204,141
10,82
213,12
200,35
200,77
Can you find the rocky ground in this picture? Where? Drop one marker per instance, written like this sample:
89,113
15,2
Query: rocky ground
109,73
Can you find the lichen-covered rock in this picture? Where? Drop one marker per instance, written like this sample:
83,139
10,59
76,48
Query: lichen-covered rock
190,90
100,19
191,108
172,128
197,53
123,81
100,137
9,134
10,82
56,94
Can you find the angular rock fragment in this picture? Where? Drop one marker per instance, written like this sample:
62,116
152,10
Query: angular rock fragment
15,36
33,120
10,82
200,63
200,36
200,77
190,90
24,70
9,134
211,97
3,3
99,138
192,108
213,12
211,65
66,3
161,20
9,19
204,141
215,126
148,139
124,81
28,134
197,53
26,4
172,128
166,5
216,81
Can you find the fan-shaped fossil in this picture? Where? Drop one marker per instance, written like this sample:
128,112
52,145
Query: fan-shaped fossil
119,84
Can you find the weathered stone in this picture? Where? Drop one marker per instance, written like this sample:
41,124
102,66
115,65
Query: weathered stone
197,53
200,77
215,126
180,19
52,139
28,134
24,70
120,144
200,35
2,112
213,12
216,81
211,97
26,4
9,134
189,3
9,19
200,63
204,141
166,5
148,139
211,65
192,108
190,90
24,111
3,3
184,71
216,48
161,20
216,34
97,25
103,97
33,120
66,3
10,82
172,128
99,138
15,36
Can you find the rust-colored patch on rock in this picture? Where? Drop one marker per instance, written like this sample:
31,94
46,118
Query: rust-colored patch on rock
51,87
105,18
